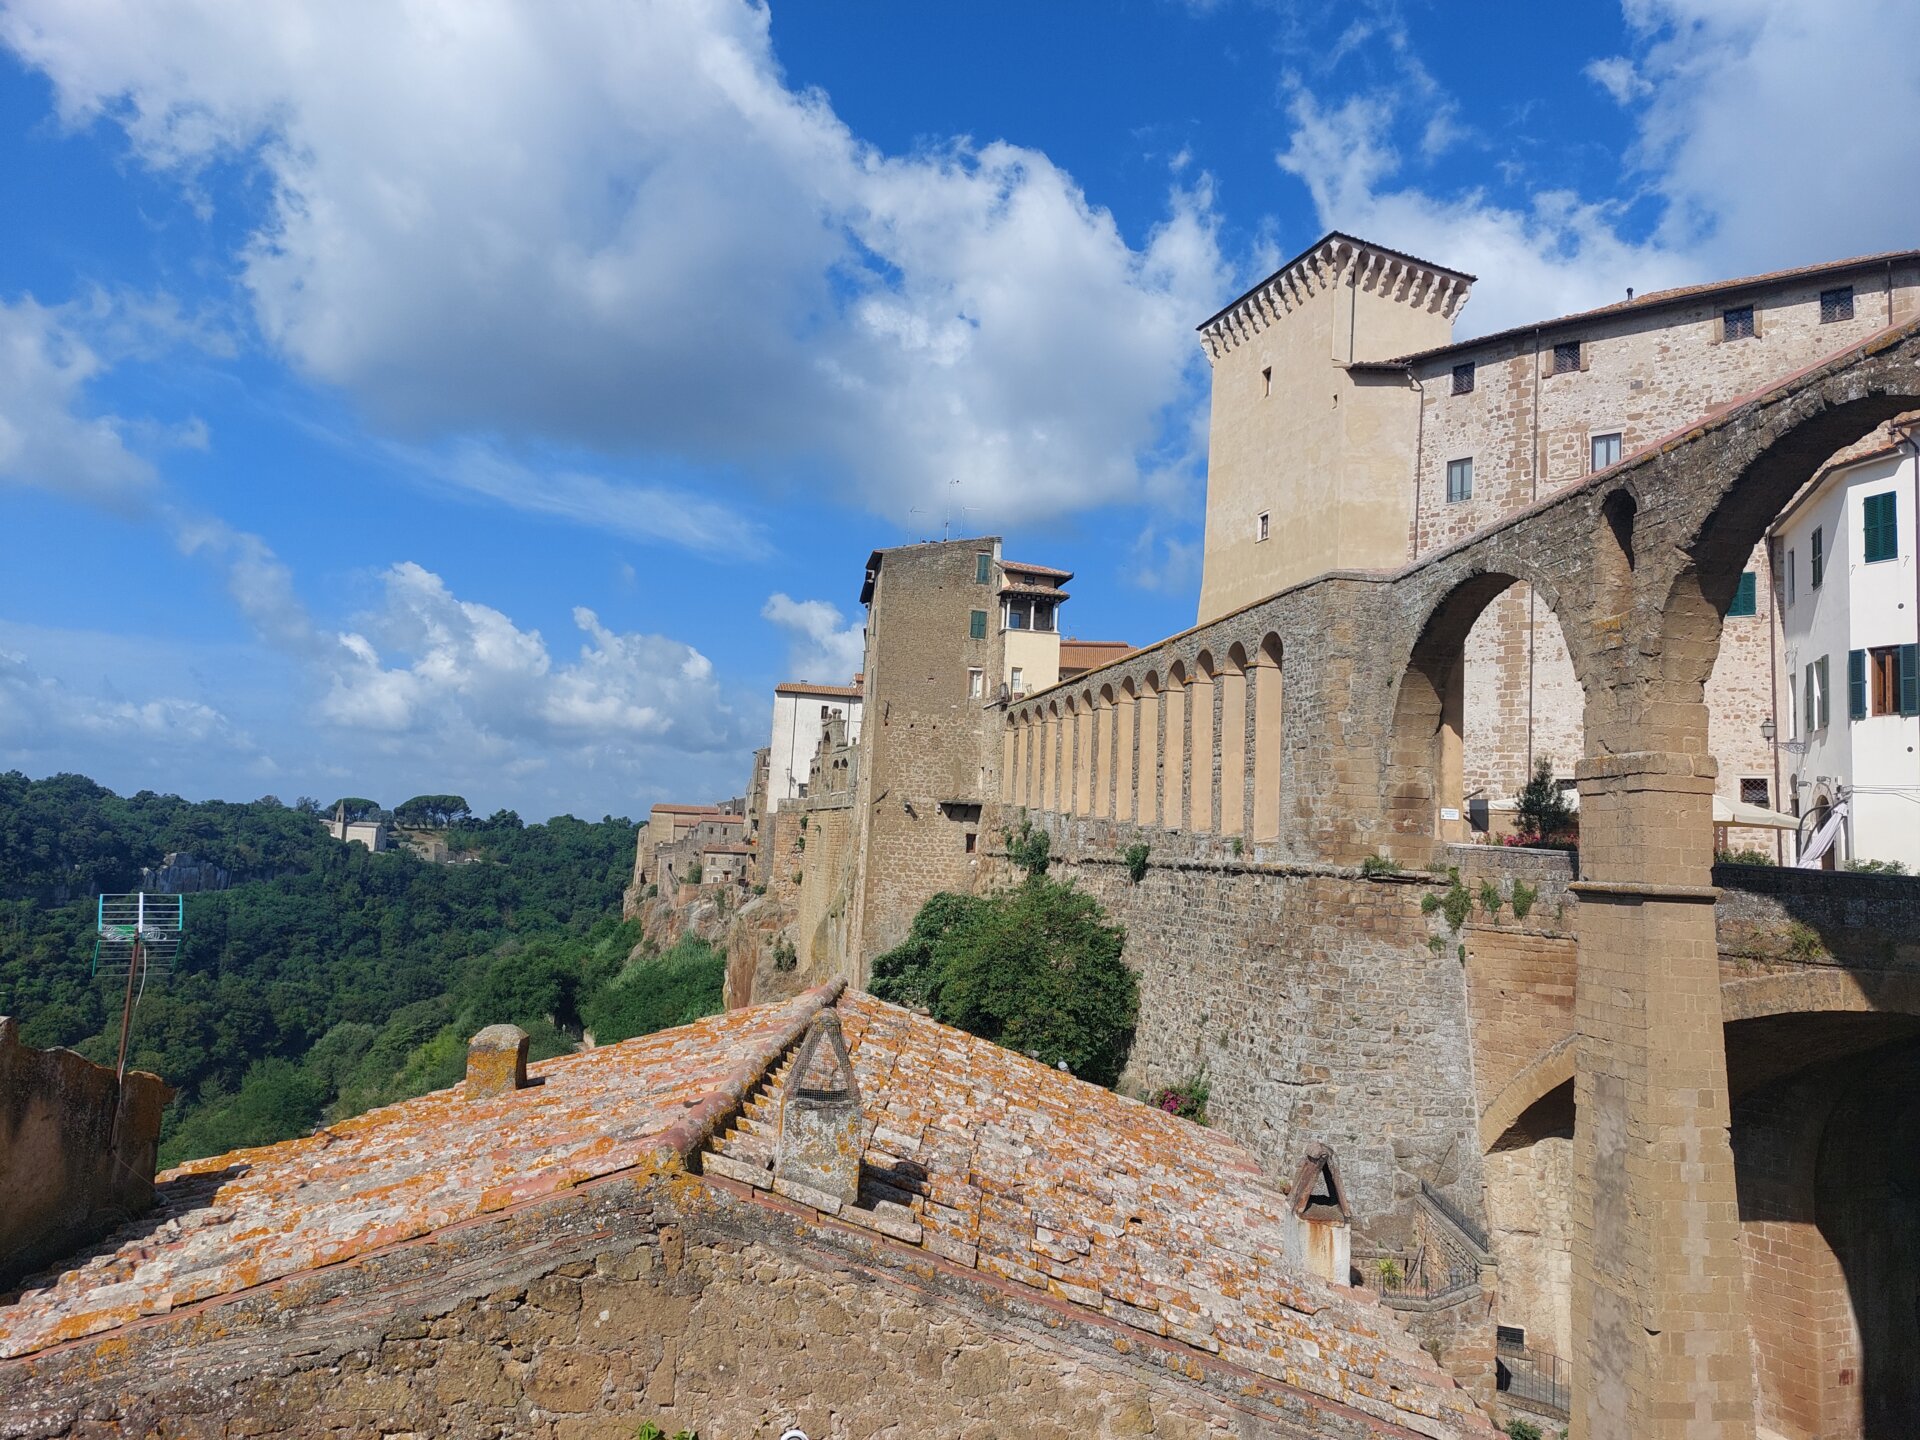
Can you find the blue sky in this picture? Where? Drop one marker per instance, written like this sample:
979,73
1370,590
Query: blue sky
500,397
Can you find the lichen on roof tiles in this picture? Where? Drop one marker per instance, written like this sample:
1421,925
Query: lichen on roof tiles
231,1222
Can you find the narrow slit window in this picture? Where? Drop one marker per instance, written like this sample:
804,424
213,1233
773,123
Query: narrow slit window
1262,527
1817,560
1266,380
976,684
1790,594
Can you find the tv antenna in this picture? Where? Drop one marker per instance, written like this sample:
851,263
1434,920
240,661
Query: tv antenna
946,525
136,936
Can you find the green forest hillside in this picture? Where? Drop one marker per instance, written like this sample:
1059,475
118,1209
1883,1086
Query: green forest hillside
326,979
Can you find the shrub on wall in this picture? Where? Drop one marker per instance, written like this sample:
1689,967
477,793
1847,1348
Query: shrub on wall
1036,968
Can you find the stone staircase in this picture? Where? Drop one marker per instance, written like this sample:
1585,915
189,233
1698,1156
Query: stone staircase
746,1152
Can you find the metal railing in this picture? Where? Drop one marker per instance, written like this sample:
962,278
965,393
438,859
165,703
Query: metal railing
1538,1379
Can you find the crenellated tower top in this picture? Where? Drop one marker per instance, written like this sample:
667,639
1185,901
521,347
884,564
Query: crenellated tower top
1334,261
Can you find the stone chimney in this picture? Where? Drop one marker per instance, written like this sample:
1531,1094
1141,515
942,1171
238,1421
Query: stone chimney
1319,1228
496,1061
817,1157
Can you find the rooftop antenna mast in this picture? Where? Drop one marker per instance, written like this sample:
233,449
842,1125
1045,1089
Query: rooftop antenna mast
135,936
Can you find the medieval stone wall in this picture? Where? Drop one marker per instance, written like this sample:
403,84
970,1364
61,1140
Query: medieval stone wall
1314,1002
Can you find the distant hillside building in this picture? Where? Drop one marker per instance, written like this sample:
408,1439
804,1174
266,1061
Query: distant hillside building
371,833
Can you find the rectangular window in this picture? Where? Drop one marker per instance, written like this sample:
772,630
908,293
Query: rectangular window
1019,615
1745,595
972,840
1463,379
1459,480
1789,577
1266,377
977,625
982,567
1882,537
1892,678
1262,527
1836,305
1019,680
1753,791
1857,685
1737,323
1606,451
1806,705
976,684
1566,357
1821,691
1817,561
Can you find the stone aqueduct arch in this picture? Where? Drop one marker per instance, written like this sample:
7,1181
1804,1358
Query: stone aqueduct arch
1638,565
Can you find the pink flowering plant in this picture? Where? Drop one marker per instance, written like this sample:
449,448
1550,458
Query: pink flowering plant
1188,1099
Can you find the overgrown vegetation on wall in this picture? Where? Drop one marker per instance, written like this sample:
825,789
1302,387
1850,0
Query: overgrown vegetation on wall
327,980
1036,968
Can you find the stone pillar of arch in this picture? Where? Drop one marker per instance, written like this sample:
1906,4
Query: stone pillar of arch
1100,770
1203,751
1123,763
1173,710
1050,762
1146,709
1660,1338
1030,749
1233,751
1009,760
1082,759
1267,741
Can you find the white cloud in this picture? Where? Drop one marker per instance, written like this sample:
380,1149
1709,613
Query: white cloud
1164,563
1616,75
614,225
47,438
821,645
1757,128
41,716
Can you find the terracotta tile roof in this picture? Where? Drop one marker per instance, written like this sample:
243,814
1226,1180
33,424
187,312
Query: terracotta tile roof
685,809
808,687
1656,299
726,849
1045,592
239,1220
1081,655
999,1163
1063,575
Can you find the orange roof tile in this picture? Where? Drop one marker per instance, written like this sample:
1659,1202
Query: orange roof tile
808,687
1023,1172
226,1224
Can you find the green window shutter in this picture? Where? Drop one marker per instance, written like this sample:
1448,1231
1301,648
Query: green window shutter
1856,684
982,567
1819,556
1745,597
977,625
1825,687
1882,530
1806,709
1910,679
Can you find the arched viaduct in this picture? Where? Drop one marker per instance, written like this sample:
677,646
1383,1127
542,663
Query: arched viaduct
1322,726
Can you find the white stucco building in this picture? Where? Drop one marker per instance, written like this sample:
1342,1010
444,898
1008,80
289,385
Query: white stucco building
1848,701
800,712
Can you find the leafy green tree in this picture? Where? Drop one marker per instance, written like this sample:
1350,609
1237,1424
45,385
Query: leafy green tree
357,807
432,812
1544,812
1036,968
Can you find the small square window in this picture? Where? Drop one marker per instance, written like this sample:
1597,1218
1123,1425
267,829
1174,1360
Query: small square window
1836,305
1737,323
1753,791
1463,379
1882,531
1606,451
1566,357
982,567
976,684
1459,480
1262,527
977,625
1745,596
1817,569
